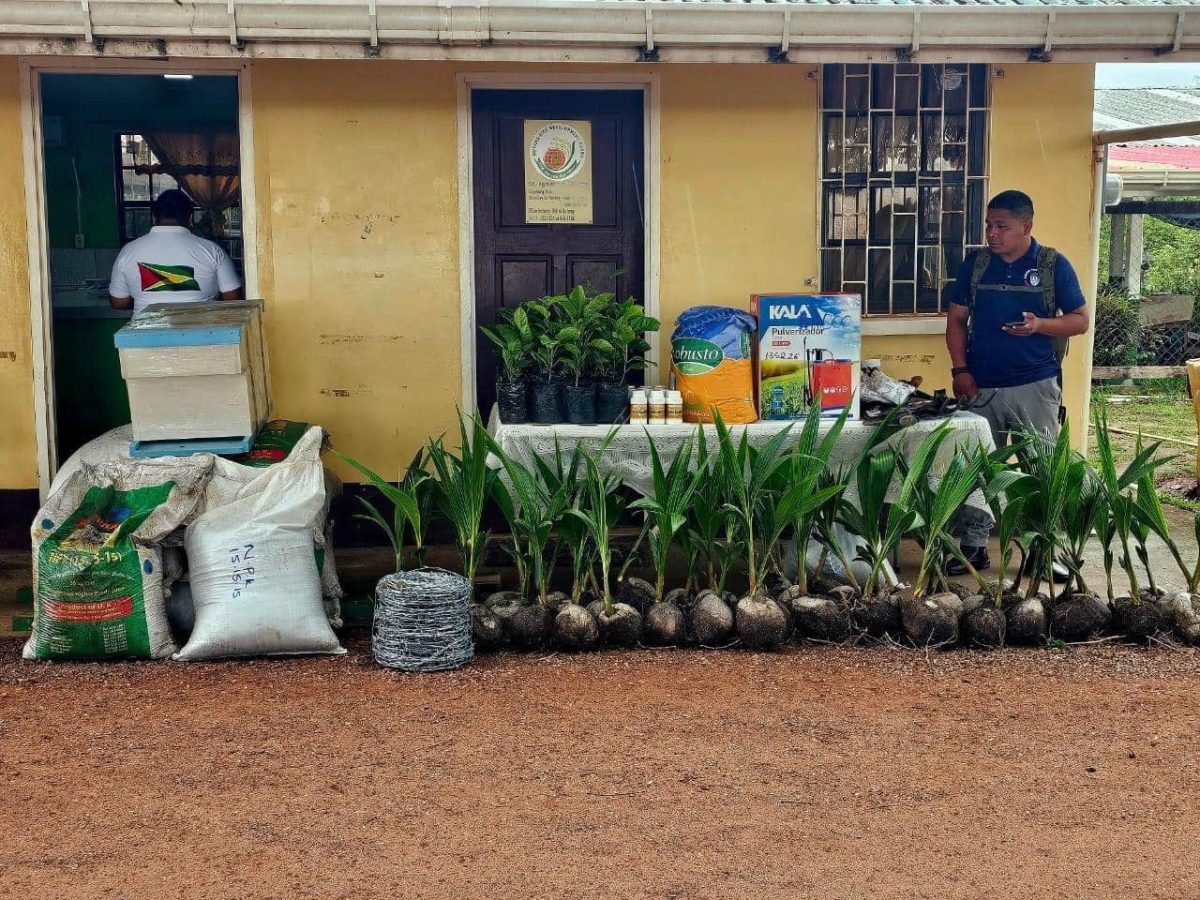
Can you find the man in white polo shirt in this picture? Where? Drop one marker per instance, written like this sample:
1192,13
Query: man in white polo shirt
170,264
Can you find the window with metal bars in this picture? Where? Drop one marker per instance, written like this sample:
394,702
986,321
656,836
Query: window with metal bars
903,181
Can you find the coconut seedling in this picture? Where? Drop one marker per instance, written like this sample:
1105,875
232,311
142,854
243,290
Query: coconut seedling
664,513
931,615
1126,521
713,546
462,488
411,501
748,473
879,525
598,507
1010,616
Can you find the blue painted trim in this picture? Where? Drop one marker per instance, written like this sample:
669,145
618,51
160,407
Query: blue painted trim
229,446
177,337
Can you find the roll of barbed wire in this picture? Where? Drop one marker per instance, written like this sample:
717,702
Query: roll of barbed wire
422,621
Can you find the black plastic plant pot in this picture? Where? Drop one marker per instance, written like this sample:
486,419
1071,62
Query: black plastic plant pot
513,399
581,404
612,403
546,402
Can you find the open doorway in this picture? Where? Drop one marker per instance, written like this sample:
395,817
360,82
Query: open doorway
111,144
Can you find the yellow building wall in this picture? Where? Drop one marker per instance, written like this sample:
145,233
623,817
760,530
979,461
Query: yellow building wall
18,457
358,231
358,249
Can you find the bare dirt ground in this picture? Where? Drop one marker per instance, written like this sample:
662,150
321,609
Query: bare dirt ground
815,772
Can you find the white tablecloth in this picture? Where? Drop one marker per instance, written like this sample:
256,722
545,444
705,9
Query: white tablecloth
628,454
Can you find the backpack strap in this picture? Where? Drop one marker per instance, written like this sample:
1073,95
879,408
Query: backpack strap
1047,260
983,258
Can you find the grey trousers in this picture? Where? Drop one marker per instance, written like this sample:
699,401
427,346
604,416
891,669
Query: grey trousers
1009,411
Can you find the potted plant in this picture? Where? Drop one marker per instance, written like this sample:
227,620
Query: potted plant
580,355
514,339
550,336
625,328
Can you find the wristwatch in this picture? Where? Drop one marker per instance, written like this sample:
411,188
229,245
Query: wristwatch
960,370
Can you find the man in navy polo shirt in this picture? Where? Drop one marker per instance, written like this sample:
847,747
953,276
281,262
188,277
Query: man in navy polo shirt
1004,330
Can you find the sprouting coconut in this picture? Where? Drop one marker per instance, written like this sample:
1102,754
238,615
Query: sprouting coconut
819,618
504,598
1184,609
556,600
575,628
1079,617
1025,620
762,624
486,631
931,615
620,624
775,585
598,507
770,491
665,625
1140,619
711,620
932,619
878,615
984,625
681,597
635,592
531,627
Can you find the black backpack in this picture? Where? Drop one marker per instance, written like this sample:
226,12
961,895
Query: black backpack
1046,260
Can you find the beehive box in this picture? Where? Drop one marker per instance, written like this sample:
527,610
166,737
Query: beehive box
195,372
809,346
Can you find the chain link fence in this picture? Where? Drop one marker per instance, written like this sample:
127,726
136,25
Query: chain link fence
1123,340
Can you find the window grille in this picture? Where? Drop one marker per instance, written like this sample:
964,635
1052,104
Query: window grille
903,181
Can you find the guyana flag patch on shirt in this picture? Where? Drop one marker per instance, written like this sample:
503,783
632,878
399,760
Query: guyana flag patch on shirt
167,278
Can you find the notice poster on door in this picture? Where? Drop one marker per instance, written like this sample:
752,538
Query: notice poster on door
558,172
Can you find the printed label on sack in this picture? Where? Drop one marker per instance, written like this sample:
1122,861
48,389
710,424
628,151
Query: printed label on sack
695,356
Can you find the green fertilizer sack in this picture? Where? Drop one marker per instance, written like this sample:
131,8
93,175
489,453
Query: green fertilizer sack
274,443
98,566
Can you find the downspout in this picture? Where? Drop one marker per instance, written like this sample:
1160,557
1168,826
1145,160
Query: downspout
1099,175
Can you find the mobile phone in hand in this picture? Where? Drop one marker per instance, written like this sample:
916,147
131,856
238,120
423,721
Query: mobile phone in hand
1013,324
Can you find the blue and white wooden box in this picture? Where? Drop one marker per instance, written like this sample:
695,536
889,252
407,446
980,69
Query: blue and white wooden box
195,372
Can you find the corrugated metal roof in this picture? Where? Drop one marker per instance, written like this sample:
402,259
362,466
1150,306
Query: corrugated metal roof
1131,107
1153,158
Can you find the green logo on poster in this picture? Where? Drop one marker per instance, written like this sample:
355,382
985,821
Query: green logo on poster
557,151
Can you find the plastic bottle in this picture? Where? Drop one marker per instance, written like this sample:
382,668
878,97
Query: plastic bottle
638,403
674,408
657,412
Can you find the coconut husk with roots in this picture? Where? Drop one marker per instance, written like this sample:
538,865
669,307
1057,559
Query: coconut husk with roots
711,621
932,620
878,616
1183,609
665,625
487,634
622,627
1079,617
1025,619
984,625
531,627
575,628
762,624
818,618
1139,619
635,592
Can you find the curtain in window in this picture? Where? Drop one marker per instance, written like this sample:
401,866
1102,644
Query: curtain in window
206,165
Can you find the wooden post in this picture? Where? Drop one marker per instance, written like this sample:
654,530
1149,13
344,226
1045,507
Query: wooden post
1117,242
1133,264
1193,371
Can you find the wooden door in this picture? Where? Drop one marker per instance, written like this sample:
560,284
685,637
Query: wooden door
515,261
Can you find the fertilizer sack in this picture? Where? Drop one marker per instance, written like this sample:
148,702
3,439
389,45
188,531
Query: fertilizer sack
712,359
98,565
255,586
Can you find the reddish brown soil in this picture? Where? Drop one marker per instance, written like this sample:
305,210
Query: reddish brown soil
857,773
